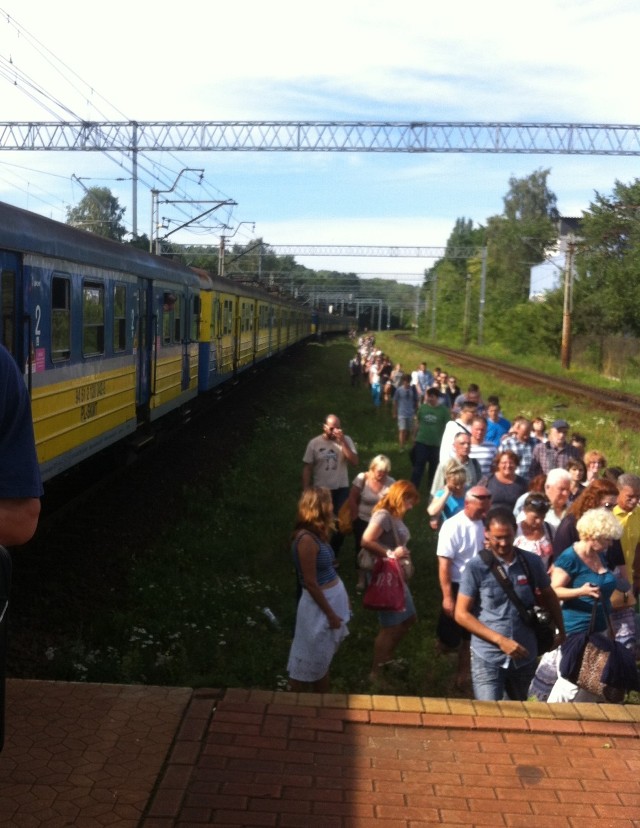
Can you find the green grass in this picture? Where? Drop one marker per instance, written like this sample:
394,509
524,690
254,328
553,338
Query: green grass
192,610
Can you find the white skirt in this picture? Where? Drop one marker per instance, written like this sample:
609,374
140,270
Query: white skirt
314,642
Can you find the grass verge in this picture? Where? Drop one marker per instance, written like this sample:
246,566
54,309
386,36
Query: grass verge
192,612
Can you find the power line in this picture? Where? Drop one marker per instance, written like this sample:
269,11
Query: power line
37,92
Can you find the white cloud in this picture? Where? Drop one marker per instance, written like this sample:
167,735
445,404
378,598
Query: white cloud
557,60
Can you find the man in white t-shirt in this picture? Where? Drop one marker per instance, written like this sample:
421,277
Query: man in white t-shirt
462,423
460,538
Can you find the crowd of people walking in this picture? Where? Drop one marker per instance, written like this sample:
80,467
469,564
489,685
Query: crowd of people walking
528,525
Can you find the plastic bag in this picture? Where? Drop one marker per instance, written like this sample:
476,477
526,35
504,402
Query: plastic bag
385,592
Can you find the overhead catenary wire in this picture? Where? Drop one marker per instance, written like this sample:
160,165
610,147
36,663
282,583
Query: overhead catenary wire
153,172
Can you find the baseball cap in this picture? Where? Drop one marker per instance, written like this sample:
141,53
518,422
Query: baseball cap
559,424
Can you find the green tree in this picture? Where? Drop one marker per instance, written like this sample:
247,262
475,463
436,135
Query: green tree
606,295
519,238
453,283
98,212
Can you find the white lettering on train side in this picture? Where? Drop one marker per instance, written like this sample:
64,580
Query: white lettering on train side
90,392
88,411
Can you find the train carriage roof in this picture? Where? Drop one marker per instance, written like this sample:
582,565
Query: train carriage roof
25,232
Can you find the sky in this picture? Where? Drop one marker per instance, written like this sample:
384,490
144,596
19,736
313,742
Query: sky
347,60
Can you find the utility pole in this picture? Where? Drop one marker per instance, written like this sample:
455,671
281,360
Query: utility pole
467,305
223,240
434,288
567,306
155,207
483,285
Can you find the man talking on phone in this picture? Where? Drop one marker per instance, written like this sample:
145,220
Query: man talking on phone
326,463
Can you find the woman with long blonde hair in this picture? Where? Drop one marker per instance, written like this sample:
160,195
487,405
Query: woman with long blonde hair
323,608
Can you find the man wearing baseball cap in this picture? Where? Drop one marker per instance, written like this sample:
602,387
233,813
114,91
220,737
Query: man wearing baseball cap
555,453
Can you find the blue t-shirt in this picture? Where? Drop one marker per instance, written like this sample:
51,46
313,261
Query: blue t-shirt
496,431
577,611
452,504
19,470
493,607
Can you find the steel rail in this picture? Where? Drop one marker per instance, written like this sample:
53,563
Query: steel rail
608,399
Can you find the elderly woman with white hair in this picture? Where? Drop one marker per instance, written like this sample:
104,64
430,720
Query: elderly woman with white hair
557,488
581,577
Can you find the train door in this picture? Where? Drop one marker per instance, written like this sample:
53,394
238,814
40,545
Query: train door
142,346
181,333
236,334
11,334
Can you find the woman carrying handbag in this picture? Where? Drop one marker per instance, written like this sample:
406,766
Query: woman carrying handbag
366,490
579,578
387,536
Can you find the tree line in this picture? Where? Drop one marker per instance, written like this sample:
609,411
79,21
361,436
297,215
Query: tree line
100,212
605,294
606,262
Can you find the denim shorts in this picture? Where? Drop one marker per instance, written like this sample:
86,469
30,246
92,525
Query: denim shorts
392,619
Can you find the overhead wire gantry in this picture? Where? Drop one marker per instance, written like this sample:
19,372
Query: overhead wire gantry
323,136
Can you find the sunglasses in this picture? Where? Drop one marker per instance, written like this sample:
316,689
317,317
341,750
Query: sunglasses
538,503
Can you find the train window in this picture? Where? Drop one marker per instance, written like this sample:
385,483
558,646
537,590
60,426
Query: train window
246,317
166,326
227,320
92,319
119,318
8,309
60,318
177,320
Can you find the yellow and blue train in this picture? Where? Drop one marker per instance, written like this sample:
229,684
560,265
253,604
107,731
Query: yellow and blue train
111,338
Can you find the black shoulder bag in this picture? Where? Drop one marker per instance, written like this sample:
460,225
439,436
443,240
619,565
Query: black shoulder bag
539,619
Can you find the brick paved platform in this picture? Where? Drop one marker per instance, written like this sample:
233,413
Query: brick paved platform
105,755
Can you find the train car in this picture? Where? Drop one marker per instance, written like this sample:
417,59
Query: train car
102,332
111,338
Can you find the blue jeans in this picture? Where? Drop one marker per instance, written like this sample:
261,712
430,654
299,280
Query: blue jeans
493,683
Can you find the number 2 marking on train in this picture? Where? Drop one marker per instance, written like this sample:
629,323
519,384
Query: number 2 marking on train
37,331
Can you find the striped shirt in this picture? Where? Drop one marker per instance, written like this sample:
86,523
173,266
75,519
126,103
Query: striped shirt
484,454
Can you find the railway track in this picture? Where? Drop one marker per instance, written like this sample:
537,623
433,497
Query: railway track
625,406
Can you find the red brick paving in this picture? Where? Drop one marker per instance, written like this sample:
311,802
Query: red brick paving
149,757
